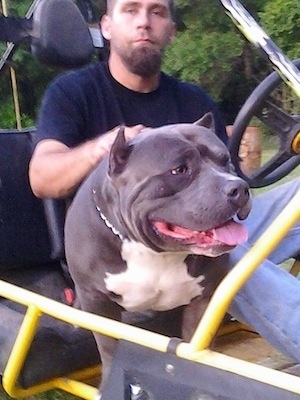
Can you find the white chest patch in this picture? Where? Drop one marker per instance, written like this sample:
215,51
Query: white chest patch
157,281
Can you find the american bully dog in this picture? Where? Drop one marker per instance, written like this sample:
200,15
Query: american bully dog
149,230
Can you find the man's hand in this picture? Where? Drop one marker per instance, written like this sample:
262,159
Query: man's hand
102,144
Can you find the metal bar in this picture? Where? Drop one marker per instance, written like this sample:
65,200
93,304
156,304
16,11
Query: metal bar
247,369
92,322
20,349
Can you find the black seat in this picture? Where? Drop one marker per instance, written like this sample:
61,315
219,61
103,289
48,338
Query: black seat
31,256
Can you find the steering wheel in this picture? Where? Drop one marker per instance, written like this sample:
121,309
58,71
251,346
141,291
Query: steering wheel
285,126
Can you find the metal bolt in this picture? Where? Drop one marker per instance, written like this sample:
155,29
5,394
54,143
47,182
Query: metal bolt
138,393
170,369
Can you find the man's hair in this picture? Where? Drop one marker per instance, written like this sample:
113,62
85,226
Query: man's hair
111,3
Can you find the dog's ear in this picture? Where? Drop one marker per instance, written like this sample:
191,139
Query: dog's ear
207,121
119,153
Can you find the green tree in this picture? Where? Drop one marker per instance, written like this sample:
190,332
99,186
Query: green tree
281,20
211,52
205,47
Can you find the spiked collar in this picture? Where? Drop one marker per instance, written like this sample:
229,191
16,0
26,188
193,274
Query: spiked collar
105,219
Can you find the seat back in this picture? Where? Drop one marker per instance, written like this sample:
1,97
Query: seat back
60,34
26,237
24,234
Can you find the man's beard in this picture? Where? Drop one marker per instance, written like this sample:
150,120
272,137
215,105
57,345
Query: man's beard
143,61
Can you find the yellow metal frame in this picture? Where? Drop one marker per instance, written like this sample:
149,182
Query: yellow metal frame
197,349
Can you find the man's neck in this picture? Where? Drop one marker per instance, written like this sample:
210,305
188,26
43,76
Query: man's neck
130,80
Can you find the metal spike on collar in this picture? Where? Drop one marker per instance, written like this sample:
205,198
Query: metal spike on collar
106,221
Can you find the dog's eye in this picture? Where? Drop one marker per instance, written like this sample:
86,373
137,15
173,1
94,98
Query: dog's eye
181,169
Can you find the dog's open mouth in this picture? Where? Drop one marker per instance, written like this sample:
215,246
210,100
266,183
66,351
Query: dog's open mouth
231,234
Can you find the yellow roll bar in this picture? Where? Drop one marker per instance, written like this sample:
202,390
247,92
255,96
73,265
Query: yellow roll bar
196,350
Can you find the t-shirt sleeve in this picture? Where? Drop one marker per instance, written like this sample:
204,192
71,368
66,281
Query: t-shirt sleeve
60,116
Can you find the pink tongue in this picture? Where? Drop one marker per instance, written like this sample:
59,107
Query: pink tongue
231,233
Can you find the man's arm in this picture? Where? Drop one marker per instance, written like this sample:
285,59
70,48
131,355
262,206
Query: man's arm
56,170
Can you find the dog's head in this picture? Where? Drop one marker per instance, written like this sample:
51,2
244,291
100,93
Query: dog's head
175,189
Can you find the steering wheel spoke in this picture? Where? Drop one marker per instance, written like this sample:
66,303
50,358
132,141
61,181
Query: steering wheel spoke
271,165
278,122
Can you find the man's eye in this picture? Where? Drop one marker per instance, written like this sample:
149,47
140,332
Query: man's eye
130,10
159,12
156,11
180,170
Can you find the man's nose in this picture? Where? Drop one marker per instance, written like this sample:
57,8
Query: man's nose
143,18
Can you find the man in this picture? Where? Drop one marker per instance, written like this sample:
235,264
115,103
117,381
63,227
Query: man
130,91
79,119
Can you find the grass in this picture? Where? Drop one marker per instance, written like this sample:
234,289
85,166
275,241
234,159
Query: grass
269,148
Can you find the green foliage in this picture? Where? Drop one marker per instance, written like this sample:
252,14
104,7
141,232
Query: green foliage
8,116
211,52
204,51
281,20
204,60
32,79
18,8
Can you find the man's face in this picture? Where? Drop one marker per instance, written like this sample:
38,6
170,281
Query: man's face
138,32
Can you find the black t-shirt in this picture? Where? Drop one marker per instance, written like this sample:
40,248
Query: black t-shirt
85,103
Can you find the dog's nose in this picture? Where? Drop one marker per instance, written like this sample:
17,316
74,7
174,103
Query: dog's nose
237,191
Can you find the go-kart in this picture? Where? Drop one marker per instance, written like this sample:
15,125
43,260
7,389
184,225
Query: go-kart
45,343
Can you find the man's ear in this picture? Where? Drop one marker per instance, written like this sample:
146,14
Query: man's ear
207,121
119,154
105,25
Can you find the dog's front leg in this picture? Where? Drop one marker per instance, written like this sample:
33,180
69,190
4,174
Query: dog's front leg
107,348
214,270
192,314
98,303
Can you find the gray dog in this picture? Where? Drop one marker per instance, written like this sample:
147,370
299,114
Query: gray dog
149,230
